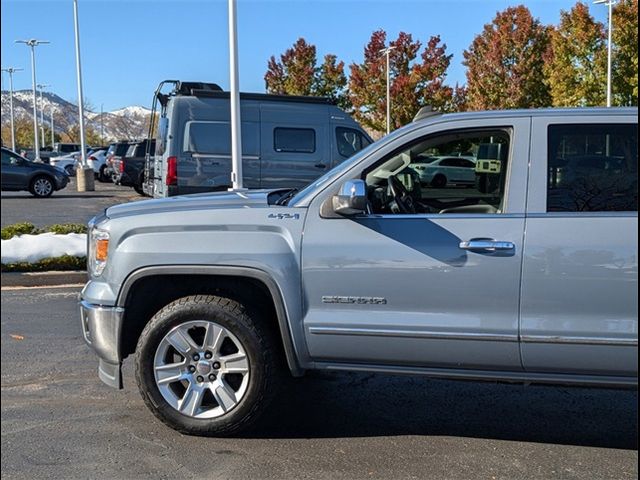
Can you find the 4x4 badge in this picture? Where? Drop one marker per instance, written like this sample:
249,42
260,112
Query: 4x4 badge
285,216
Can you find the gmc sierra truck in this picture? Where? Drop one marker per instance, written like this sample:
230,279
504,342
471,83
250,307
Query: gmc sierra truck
528,275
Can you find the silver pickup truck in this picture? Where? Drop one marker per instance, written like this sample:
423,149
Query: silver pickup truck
529,273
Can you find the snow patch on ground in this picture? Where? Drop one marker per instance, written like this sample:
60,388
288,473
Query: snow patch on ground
31,248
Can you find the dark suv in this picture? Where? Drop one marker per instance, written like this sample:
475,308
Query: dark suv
129,169
40,179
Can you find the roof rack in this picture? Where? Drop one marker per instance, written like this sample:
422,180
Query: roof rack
426,112
265,97
193,88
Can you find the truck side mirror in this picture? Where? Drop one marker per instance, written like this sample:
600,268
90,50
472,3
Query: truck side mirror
352,198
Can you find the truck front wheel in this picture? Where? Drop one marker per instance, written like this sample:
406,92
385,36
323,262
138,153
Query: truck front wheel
205,366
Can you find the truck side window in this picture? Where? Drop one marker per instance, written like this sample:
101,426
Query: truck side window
592,168
350,141
294,140
457,172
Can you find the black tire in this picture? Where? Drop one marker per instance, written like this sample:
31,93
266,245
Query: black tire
42,186
71,171
439,181
139,190
259,345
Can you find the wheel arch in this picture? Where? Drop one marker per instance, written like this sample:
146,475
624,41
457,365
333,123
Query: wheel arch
243,284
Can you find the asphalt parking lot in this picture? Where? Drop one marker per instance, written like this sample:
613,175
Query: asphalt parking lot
64,206
59,421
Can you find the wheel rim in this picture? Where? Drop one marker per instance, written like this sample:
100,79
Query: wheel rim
42,187
201,369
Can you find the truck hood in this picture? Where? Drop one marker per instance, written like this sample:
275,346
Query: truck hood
200,201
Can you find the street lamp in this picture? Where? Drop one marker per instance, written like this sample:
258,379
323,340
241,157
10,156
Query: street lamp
387,53
610,4
33,43
41,87
11,71
85,173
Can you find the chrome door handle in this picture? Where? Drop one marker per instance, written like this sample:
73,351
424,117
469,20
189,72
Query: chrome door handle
487,245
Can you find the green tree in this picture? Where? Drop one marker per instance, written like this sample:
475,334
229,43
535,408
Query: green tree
297,73
505,63
417,80
577,62
625,39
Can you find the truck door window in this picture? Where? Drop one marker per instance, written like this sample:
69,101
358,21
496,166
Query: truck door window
592,168
350,141
294,140
460,172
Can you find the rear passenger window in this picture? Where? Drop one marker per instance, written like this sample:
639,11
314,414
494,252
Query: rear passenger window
593,168
350,141
294,140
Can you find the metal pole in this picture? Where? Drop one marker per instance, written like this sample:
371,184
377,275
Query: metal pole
41,87
610,58
236,120
388,92
35,111
13,128
11,71
83,159
53,138
101,124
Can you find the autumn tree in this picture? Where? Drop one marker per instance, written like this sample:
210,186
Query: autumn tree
625,39
297,73
576,68
417,80
505,63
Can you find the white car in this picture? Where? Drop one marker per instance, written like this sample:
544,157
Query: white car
97,160
439,172
67,163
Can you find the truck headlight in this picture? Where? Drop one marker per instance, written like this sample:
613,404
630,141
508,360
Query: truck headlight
98,251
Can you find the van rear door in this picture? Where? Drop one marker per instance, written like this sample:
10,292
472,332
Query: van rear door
205,163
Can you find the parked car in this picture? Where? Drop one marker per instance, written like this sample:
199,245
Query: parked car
130,167
287,141
97,161
39,178
442,171
115,150
68,163
216,296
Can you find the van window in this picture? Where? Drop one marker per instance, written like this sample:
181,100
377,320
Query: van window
294,140
214,138
593,168
350,141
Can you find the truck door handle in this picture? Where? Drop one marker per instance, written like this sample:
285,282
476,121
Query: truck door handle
485,245
320,165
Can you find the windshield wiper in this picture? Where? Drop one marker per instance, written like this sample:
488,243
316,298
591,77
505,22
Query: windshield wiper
284,200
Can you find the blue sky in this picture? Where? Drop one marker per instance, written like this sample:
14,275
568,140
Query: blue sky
129,46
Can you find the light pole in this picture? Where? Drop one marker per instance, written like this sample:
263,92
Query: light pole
610,4
236,121
11,71
41,87
101,124
387,53
85,173
53,138
33,43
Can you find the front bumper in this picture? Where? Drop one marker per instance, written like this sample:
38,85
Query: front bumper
101,331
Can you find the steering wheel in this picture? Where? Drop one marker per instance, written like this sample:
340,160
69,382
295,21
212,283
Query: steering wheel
403,201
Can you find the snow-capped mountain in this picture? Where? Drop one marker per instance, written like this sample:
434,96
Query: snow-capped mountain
124,123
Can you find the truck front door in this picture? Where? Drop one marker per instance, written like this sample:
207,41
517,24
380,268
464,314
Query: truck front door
438,286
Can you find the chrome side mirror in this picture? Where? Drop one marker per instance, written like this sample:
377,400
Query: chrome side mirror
352,198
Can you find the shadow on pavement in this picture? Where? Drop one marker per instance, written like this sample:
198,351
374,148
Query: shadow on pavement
325,405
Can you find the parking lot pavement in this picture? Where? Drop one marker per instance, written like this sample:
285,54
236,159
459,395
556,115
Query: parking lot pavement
65,206
59,421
